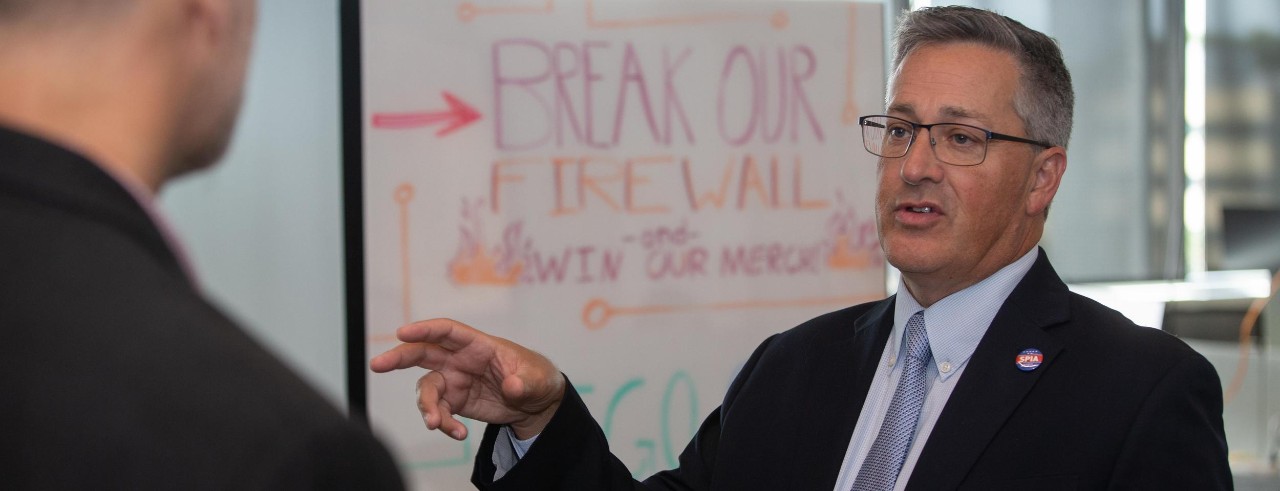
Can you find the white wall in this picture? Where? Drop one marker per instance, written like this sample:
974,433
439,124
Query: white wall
264,227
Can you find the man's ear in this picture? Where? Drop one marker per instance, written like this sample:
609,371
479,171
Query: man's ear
209,21
1050,164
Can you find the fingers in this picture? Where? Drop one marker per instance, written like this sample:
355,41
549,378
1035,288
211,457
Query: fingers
448,333
437,413
429,343
409,355
450,425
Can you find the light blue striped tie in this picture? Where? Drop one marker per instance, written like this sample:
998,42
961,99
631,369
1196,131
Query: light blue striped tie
880,469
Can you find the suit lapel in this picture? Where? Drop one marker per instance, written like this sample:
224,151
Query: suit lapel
836,395
870,336
992,386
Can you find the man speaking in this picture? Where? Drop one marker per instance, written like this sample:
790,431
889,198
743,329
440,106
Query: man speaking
982,372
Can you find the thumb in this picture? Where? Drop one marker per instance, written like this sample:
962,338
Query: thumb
531,395
513,389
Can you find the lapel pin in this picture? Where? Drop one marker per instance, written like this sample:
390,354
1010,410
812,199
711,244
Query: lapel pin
1029,359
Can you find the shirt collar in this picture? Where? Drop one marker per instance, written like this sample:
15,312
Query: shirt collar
957,323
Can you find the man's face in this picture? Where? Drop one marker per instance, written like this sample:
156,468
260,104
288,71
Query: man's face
952,226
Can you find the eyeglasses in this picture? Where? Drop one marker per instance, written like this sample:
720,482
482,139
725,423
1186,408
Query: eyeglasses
953,143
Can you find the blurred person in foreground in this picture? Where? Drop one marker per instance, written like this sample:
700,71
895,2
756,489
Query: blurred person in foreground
115,372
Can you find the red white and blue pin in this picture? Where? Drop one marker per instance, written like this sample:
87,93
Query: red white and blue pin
1029,359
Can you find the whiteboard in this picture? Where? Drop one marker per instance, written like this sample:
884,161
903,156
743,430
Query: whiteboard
642,191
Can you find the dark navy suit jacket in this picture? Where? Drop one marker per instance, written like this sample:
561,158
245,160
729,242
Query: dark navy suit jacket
1112,406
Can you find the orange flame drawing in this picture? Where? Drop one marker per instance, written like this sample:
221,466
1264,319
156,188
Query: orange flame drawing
852,242
473,264
844,256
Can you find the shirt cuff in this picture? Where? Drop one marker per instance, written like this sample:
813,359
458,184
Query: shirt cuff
506,456
521,446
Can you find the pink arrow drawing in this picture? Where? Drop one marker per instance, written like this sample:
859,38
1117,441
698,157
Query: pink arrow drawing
458,114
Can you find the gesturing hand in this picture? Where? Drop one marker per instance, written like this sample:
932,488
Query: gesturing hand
475,375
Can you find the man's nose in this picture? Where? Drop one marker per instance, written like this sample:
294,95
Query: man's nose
921,161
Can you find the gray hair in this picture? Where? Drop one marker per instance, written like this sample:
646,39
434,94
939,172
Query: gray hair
1044,99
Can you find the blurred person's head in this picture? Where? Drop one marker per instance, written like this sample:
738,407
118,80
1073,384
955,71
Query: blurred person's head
150,89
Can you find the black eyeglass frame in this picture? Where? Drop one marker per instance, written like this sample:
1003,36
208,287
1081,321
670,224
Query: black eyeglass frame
915,130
